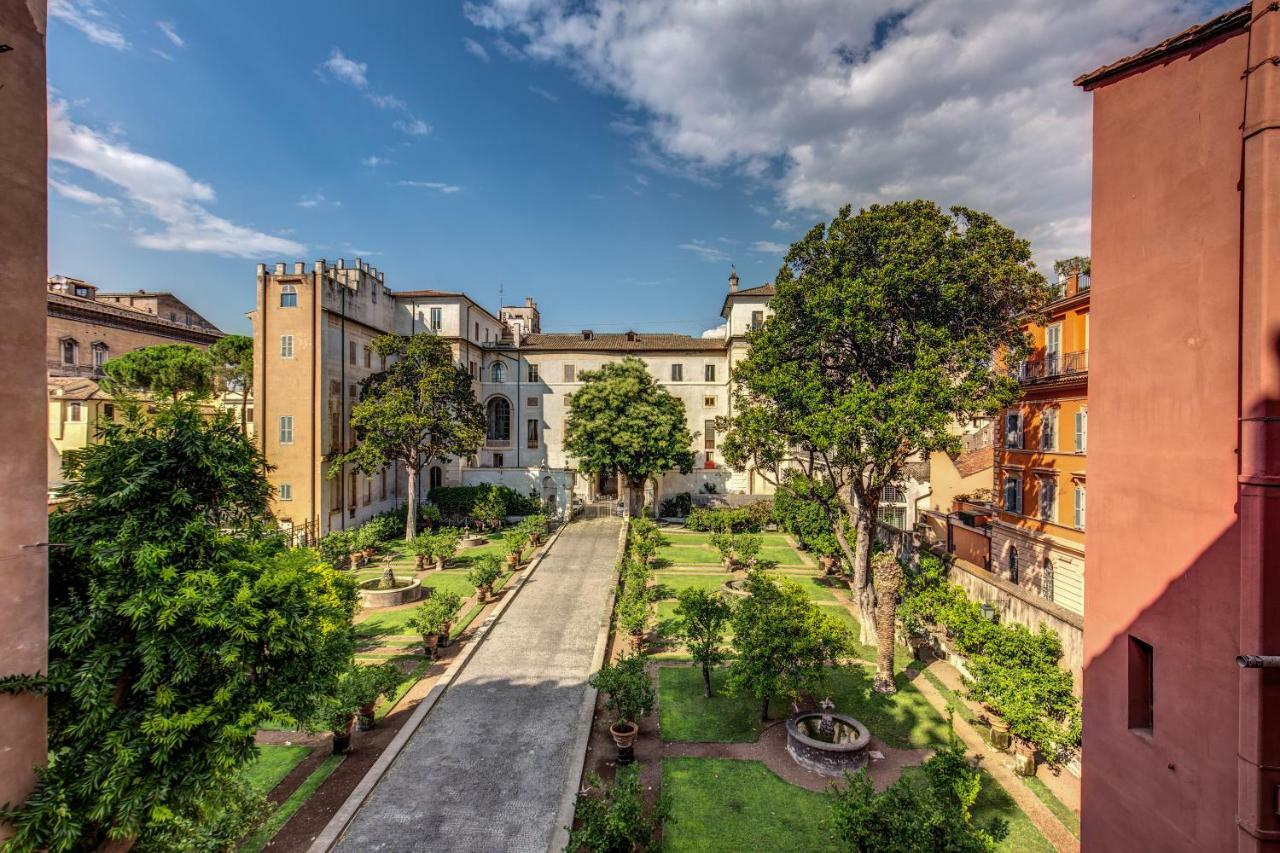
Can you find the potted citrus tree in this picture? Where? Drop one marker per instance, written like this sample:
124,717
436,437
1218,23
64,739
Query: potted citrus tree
484,574
423,548
433,618
723,542
629,696
515,540
633,615
536,525
371,683
746,547
444,542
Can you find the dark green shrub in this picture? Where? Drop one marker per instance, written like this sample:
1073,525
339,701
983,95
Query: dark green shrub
804,516
676,506
716,519
616,820
456,502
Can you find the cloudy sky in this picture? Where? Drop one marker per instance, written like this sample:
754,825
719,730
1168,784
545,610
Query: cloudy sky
608,158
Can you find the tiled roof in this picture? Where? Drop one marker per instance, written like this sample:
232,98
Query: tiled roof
611,342
75,388
974,461
62,305
766,289
428,293
1227,22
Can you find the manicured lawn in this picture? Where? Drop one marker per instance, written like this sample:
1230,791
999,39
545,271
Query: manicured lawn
817,587
718,804
994,801
903,720
289,807
273,763
450,580
690,555
783,555
1060,810
686,715
672,583
386,624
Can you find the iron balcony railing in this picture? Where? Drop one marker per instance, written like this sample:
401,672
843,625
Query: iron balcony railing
1053,366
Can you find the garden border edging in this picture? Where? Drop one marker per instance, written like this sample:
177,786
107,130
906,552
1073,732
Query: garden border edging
342,817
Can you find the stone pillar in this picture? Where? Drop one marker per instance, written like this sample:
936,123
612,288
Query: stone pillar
24,519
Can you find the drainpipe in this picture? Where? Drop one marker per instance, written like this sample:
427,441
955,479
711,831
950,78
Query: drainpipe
1258,786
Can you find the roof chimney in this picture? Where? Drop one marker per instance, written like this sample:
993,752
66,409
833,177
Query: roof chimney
588,335
733,279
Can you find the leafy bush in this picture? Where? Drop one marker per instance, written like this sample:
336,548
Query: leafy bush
702,616
616,820
515,539
435,612
713,519
628,692
369,683
633,612
366,536
676,506
804,516
484,574
335,548
724,543
428,515
386,526
645,539
457,502
746,547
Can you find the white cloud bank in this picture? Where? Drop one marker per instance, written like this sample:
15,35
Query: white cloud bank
85,16
341,67
157,188
833,102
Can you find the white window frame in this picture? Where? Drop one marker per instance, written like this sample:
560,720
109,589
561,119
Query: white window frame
533,373
709,372
1013,429
286,491
1082,430
286,429
1016,481
1048,488
1053,357
286,346
437,319
288,290
1049,428
1080,507
677,372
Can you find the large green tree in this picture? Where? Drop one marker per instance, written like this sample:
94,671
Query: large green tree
884,333
163,370
178,625
232,358
622,420
420,407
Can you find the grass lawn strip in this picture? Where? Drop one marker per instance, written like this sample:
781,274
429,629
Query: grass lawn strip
1060,810
273,763
289,807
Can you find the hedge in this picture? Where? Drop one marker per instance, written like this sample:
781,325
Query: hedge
459,501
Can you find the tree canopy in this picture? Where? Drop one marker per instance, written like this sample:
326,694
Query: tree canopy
420,407
622,420
178,625
163,370
232,359
884,334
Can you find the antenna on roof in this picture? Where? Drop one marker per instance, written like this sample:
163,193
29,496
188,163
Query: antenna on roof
500,298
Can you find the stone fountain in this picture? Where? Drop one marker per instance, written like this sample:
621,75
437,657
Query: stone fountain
826,742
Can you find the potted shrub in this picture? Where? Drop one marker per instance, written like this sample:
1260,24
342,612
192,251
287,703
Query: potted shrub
514,540
616,818
335,548
489,509
633,614
429,516
367,540
628,696
423,548
371,683
723,542
444,542
746,547
337,713
536,526
484,574
433,618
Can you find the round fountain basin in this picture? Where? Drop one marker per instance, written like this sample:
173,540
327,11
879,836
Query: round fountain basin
404,592
735,587
843,749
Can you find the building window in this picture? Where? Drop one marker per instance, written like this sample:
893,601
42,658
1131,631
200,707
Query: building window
1049,428
533,373
709,435
286,346
893,494
368,358
288,296
286,492
437,319
1142,680
1013,565
73,412
109,411
757,320
1082,430
709,402
471,369
531,402
895,516
498,414
709,373
248,414
1013,494
477,335
531,433
498,460
434,478
568,373
1048,497
1013,430
677,373
100,354
368,490
1046,579
68,351
286,429
1079,520
498,373
351,352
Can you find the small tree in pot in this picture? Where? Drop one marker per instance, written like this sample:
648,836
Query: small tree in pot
371,683
514,540
423,548
629,695
723,542
633,614
489,509
432,619
444,542
484,574
746,547
535,525
616,819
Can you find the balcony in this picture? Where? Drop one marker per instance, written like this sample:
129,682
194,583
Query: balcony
1053,366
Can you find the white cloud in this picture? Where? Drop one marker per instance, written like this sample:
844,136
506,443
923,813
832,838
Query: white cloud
374,160
781,225
476,49
86,17
346,70
768,247
543,93
438,186
387,102
829,102
317,200
79,194
171,33
760,209
160,53
412,126
716,331
160,190
704,251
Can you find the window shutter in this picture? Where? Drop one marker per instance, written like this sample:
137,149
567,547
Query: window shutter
1080,507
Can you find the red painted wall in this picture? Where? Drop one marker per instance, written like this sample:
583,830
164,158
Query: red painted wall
1164,544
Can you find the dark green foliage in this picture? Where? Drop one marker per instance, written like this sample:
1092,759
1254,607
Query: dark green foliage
717,519
1015,670
438,610
614,819
645,539
178,625
676,506
160,371
929,811
336,547
622,420
459,502
629,694
784,642
484,574
810,520
232,360
702,616
229,811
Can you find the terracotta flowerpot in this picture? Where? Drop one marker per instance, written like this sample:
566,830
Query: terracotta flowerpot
422,562
342,739
439,564
369,715
1024,758
513,560
444,634
483,593
356,559
429,643
828,564
624,734
1000,734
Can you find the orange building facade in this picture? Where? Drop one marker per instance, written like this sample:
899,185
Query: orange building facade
1038,527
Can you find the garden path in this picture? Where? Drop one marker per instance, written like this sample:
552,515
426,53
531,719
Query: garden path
488,766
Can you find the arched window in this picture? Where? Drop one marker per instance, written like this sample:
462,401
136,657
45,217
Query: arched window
498,412
68,350
1013,565
498,372
288,296
434,478
1046,579
100,354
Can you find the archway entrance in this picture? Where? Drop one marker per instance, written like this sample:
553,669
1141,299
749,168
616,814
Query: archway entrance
607,484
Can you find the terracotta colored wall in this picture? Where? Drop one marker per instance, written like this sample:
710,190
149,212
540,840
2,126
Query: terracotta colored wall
23,518
118,341
1163,549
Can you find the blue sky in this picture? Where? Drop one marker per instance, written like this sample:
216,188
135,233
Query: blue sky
608,159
